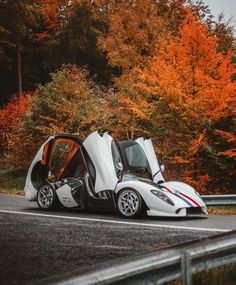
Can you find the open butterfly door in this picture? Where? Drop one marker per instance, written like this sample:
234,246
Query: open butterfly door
99,157
148,148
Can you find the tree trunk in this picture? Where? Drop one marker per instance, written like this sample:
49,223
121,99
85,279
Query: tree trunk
132,131
19,69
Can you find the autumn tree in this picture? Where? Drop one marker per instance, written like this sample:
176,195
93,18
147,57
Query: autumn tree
18,21
15,141
136,30
193,80
133,28
69,103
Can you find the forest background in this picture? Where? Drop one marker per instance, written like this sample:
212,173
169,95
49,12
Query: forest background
163,69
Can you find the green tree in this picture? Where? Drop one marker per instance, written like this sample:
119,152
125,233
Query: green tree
69,103
69,36
19,22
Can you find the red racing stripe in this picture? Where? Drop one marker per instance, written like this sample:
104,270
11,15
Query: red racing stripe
167,189
196,203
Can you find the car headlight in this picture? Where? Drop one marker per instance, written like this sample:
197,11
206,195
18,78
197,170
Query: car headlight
163,197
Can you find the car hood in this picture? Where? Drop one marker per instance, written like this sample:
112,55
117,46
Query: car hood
183,191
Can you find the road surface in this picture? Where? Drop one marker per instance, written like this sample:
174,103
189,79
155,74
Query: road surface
36,244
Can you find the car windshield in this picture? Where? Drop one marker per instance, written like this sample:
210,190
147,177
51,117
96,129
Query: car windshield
135,159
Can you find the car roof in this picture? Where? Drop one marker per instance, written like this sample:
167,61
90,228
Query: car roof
73,137
80,140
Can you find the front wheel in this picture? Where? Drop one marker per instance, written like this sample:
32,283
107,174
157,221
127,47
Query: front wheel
129,203
47,199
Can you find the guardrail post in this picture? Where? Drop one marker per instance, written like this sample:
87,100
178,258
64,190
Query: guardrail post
186,270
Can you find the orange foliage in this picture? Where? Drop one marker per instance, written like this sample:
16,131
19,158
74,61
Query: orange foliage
134,28
199,183
134,32
55,13
229,153
15,109
130,110
228,136
197,142
11,126
195,81
181,160
192,76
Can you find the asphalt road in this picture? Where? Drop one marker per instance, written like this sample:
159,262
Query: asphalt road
36,245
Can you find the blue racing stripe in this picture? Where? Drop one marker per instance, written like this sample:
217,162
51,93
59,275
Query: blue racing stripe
186,201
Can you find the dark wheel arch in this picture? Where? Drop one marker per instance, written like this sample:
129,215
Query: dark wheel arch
39,174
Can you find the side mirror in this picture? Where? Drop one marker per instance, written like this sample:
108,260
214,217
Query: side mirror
162,168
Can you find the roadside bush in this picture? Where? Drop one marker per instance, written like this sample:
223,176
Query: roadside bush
15,141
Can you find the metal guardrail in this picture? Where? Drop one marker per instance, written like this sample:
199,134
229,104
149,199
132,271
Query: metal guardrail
219,200
158,267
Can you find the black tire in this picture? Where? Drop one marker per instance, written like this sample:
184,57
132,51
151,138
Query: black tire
129,203
47,198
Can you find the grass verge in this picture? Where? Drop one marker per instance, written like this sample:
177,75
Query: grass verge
222,275
222,210
12,181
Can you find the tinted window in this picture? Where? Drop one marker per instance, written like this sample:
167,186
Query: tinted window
136,157
75,166
136,160
60,152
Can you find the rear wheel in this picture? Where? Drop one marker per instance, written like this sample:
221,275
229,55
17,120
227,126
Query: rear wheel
47,199
129,203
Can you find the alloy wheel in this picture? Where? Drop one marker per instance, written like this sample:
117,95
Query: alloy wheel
45,196
129,203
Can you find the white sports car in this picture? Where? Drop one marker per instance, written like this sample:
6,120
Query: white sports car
99,173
